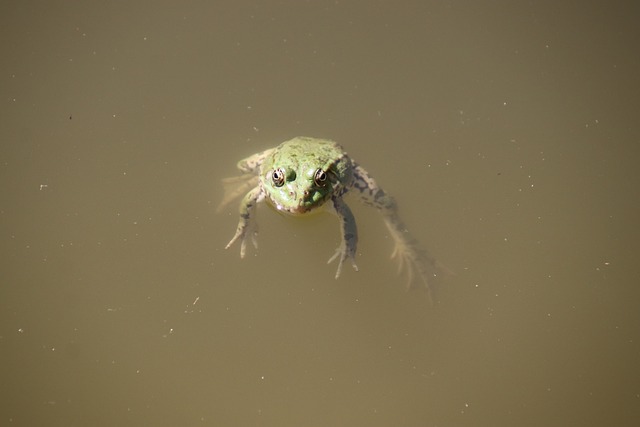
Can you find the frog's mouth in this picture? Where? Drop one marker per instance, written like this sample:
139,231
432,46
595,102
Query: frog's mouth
293,210
309,201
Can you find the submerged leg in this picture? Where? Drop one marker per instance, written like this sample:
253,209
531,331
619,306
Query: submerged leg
407,250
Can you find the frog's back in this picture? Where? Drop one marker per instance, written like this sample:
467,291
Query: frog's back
304,146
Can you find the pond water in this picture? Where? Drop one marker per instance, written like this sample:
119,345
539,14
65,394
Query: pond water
508,133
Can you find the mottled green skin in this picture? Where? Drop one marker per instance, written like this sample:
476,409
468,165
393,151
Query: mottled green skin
300,193
304,175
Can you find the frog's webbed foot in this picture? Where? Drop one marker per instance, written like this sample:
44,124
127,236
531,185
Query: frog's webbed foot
342,253
247,226
250,228
415,261
412,259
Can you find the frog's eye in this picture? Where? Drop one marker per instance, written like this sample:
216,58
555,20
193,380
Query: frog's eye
320,178
277,176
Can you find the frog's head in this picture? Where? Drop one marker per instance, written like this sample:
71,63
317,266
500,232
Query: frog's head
302,189
300,175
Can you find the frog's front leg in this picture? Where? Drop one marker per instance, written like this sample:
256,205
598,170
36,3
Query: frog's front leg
349,234
248,226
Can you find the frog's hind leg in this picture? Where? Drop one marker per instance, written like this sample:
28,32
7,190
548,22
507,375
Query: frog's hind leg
410,255
235,187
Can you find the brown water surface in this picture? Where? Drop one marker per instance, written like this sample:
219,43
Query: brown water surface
508,132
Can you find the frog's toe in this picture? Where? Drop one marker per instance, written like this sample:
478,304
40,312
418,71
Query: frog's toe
401,258
243,244
254,239
341,254
232,241
415,265
243,237
243,248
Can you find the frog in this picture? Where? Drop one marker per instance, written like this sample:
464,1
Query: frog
307,175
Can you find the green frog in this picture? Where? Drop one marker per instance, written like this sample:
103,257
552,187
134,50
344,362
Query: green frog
305,175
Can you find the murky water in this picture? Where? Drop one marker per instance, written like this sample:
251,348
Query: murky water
507,132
